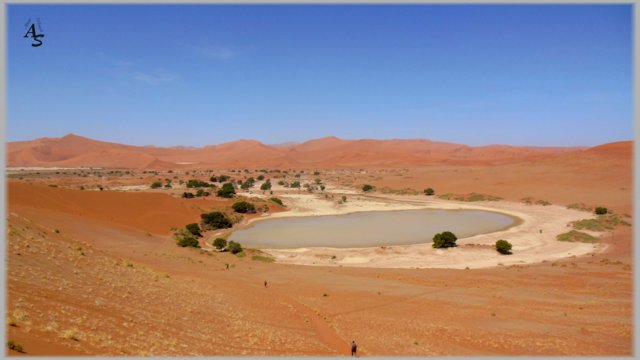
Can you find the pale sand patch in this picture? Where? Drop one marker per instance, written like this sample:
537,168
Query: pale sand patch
529,244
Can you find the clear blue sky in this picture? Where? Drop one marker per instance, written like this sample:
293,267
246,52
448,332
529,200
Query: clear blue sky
207,74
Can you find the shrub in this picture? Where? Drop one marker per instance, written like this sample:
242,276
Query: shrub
186,238
194,229
601,210
193,183
503,247
295,184
244,207
213,179
219,243
234,247
281,183
266,185
367,187
344,198
215,220
261,177
156,185
277,201
429,191
444,240
201,193
188,195
227,191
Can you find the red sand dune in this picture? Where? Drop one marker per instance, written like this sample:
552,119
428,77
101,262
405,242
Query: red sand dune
151,212
73,150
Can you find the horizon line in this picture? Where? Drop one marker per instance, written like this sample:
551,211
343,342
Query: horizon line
295,142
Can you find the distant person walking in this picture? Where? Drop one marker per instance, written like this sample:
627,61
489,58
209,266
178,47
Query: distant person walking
354,348
265,283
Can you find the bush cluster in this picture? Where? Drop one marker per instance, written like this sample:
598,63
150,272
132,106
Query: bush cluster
234,247
185,238
227,191
266,185
193,183
215,220
220,243
444,240
244,207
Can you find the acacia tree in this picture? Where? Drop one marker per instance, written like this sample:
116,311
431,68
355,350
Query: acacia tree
219,243
266,185
215,220
227,191
444,240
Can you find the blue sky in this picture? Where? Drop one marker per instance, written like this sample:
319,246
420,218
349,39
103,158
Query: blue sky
205,74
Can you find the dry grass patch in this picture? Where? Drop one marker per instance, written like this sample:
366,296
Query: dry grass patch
72,334
600,223
577,236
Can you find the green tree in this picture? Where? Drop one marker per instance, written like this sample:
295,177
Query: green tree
201,192
266,185
444,240
156,185
194,229
188,195
219,243
295,184
193,183
244,207
227,191
215,220
367,187
186,239
234,247
429,191
503,247
261,177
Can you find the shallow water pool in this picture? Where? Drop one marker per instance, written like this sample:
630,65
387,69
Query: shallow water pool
365,229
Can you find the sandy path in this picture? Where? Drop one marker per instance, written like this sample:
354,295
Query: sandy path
533,240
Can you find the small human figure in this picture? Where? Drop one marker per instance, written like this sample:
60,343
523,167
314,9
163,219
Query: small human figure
354,348
227,265
265,283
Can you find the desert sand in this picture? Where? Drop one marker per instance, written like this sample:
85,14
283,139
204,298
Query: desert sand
98,272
